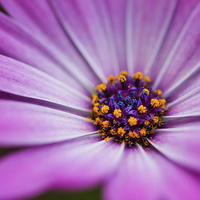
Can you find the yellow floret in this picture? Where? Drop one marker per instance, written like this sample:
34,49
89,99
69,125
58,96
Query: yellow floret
146,90
125,73
133,134
155,119
101,87
143,132
142,109
146,122
117,113
159,92
121,131
122,78
113,132
138,75
132,121
105,109
105,124
155,103
147,79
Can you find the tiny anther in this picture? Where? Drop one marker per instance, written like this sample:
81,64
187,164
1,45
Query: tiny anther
101,87
125,73
142,109
96,109
155,103
121,131
105,109
133,134
146,122
122,80
155,119
111,78
132,121
97,121
105,124
113,132
162,103
137,76
117,113
143,132
158,92
146,91
147,79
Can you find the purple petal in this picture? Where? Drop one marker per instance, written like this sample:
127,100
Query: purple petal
146,25
26,124
75,164
180,145
184,54
88,17
17,43
39,19
21,79
150,176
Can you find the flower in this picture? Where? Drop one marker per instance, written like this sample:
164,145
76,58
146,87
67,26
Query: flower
53,55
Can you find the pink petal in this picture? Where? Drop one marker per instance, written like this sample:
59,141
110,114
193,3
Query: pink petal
150,176
183,55
75,164
24,80
27,124
38,18
88,17
147,23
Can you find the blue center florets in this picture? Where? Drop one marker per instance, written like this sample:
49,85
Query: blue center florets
127,109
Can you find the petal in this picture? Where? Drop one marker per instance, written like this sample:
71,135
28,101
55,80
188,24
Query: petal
17,43
24,80
39,19
146,25
181,145
75,164
26,124
184,54
88,17
150,176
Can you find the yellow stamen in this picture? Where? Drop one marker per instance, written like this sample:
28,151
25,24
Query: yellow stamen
107,138
162,102
146,122
96,109
105,124
101,87
142,109
97,121
143,132
147,79
132,121
122,78
105,109
117,113
155,119
111,78
155,103
125,73
146,90
138,75
113,132
159,92
133,134
121,131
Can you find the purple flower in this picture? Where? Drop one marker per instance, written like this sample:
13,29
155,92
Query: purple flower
54,53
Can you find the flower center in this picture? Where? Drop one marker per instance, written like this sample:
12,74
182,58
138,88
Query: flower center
126,109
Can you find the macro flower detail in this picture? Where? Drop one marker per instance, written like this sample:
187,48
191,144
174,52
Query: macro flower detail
100,93
130,110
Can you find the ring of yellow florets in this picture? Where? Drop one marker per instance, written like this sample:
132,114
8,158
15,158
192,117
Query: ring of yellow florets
126,109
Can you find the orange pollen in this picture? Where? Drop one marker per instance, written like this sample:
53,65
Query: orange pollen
113,132
162,102
117,113
111,78
133,134
142,109
155,103
121,131
146,122
105,109
159,92
95,109
98,121
138,75
146,90
122,78
125,73
143,132
106,124
155,119
101,87
132,121
147,79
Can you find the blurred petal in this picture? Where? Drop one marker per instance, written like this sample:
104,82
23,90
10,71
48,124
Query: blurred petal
25,124
49,32
184,54
147,23
84,22
150,176
76,164
24,80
